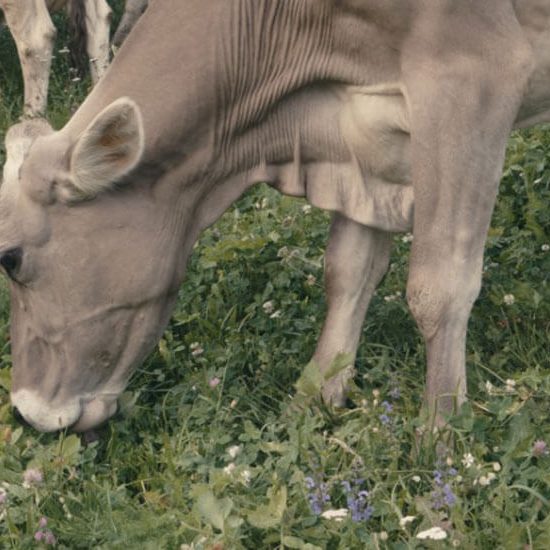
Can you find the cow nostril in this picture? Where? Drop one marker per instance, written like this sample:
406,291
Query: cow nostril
20,418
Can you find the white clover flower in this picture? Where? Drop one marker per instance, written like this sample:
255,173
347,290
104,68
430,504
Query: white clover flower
434,533
484,481
246,476
268,307
545,247
336,515
509,299
306,209
416,479
311,280
489,388
406,520
196,349
496,466
276,314
229,469
383,536
407,238
234,451
468,460
32,477
510,385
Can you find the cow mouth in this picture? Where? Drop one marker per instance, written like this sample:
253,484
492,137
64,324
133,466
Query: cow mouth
79,415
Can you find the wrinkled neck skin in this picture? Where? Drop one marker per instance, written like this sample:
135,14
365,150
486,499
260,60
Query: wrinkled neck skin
293,94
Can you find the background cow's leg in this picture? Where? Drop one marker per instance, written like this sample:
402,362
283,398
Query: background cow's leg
34,34
132,12
98,24
356,259
462,116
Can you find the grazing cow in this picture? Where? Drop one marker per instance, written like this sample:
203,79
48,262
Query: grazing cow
362,106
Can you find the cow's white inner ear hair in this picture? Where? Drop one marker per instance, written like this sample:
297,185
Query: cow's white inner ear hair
107,150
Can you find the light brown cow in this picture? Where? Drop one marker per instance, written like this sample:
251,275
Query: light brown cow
359,105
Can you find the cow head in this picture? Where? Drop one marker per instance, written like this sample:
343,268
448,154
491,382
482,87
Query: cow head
92,266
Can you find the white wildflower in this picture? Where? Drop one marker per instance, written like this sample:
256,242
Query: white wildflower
336,515
276,314
311,280
406,520
449,461
484,481
510,385
489,388
496,466
407,238
468,460
545,247
229,469
416,479
434,533
306,209
196,349
246,476
268,307
234,451
509,299
383,536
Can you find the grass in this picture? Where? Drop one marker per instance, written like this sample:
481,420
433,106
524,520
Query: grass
221,442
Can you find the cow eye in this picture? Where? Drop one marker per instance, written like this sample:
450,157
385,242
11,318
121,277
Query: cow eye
10,260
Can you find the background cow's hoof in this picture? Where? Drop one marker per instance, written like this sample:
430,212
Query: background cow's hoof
335,389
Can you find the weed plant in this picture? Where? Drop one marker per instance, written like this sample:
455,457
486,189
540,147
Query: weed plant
222,442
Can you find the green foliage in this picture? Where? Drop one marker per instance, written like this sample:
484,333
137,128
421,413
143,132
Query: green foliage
221,430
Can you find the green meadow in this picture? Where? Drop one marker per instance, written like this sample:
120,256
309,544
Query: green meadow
221,441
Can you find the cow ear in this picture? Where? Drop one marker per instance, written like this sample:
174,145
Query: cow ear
106,151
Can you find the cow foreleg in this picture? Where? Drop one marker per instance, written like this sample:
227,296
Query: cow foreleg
356,259
98,24
34,34
132,12
461,117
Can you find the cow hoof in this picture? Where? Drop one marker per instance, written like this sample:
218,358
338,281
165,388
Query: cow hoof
335,389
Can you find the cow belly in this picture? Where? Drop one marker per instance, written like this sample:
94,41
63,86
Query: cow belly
372,185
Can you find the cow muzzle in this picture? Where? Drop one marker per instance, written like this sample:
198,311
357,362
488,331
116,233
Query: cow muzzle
79,414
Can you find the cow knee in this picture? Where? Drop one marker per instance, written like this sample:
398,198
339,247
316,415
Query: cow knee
435,301
39,43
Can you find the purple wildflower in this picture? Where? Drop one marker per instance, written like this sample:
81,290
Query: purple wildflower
43,522
49,538
387,406
357,501
213,382
443,495
38,536
540,448
318,495
385,419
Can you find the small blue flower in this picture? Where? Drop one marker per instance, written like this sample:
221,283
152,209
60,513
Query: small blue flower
384,418
387,406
